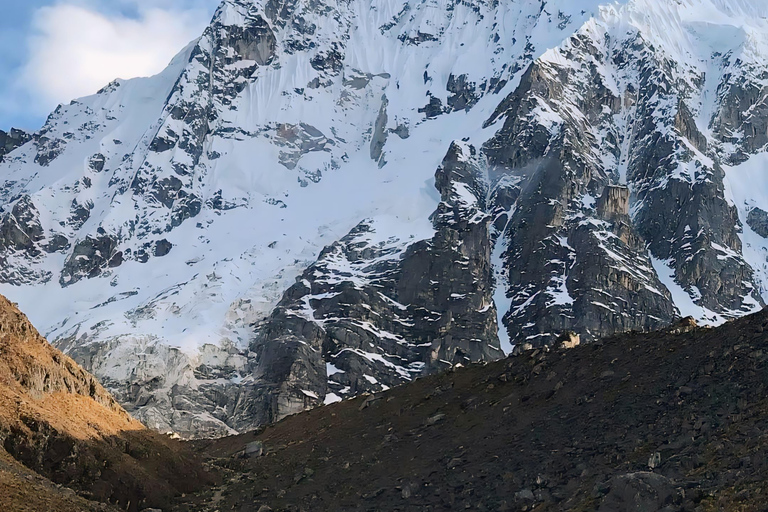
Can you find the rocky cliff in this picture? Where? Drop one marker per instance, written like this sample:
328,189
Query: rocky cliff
315,200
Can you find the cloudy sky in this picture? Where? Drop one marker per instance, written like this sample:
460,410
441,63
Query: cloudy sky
52,51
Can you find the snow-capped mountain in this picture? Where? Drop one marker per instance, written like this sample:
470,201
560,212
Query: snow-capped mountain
321,198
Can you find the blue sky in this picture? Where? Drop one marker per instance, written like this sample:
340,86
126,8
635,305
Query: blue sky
52,51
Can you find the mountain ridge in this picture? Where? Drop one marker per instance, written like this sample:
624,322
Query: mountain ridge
59,427
304,207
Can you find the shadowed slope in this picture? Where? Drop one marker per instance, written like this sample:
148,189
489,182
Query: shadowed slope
675,420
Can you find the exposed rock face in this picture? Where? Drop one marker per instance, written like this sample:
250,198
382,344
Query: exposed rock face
21,229
573,169
12,140
89,258
613,203
758,221
379,139
23,242
375,312
565,120
571,264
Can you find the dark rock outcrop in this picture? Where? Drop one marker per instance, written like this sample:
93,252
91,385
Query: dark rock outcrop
11,140
375,312
613,203
577,238
90,257
380,134
757,220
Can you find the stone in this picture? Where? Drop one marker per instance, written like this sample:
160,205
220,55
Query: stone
569,340
640,492
11,140
614,202
525,495
162,248
654,461
254,449
757,220
437,418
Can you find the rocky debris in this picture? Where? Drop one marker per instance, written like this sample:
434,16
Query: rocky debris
640,492
11,140
541,430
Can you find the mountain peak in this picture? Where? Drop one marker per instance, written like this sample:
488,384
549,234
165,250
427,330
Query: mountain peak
315,201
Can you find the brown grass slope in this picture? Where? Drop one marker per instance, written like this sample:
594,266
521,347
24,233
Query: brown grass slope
58,421
668,421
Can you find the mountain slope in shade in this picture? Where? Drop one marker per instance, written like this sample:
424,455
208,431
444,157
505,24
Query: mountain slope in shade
22,490
668,421
316,200
60,423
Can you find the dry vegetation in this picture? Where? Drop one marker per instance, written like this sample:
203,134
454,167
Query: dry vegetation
57,420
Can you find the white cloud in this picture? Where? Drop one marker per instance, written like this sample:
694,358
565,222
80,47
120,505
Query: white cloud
75,49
